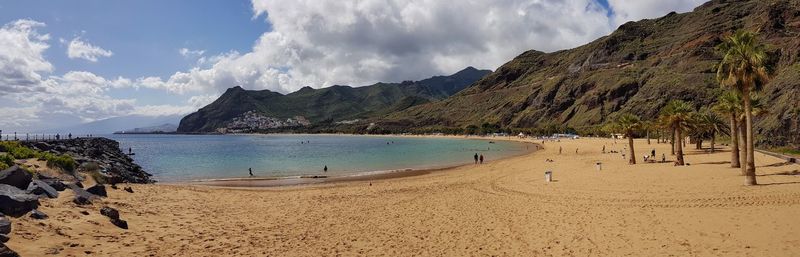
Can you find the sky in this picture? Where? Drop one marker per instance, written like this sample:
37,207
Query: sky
69,62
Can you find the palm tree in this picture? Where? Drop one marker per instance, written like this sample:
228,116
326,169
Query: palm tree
744,68
676,115
711,124
629,124
730,104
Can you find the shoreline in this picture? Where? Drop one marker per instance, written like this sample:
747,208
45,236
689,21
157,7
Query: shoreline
301,180
503,207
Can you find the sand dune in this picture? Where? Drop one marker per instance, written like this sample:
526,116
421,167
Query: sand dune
503,208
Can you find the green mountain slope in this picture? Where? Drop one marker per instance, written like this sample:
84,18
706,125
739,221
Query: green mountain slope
328,105
638,69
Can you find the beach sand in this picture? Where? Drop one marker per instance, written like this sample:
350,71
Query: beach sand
502,208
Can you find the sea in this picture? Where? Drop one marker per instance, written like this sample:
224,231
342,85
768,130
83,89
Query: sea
176,158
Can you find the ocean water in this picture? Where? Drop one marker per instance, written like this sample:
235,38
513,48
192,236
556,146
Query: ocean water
193,157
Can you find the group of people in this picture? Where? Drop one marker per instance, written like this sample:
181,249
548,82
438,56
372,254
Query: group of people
478,159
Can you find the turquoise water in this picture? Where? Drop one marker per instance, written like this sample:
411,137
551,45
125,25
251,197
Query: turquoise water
191,157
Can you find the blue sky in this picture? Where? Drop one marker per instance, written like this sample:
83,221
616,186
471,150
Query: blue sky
144,35
70,62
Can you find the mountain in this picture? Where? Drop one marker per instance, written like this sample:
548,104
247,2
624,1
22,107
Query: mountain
163,128
637,69
110,125
258,110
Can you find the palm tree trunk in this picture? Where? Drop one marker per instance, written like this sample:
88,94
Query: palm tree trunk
750,172
673,141
734,142
648,136
699,143
742,147
713,138
632,160
680,148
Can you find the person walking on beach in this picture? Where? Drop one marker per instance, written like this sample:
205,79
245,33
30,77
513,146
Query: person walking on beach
653,154
559,150
251,171
481,158
476,158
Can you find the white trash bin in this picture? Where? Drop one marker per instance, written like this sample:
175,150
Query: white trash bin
599,166
548,176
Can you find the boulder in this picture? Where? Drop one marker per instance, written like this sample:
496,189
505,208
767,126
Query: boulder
16,176
16,202
7,252
82,197
129,189
5,225
55,183
120,223
4,238
109,212
36,214
38,187
98,190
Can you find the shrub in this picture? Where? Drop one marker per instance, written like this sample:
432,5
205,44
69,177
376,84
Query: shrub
63,161
16,150
3,166
7,160
99,178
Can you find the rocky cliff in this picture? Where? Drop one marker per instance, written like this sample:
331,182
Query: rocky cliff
327,105
638,69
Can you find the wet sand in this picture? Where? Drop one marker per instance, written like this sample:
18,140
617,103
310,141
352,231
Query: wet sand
502,208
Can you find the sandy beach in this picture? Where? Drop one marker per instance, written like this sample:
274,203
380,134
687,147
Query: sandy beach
501,208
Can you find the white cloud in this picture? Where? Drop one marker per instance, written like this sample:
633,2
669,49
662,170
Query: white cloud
21,60
188,53
80,49
632,10
370,41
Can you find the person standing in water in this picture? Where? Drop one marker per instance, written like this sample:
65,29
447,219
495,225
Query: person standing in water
325,169
251,171
476,158
481,158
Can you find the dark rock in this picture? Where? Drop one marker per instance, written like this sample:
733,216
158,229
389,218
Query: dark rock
55,183
129,189
4,238
120,223
114,186
109,212
38,187
82,197
16,202
82,200
85,212
36,214
5,226
78,184
7,252
16,176
99,190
